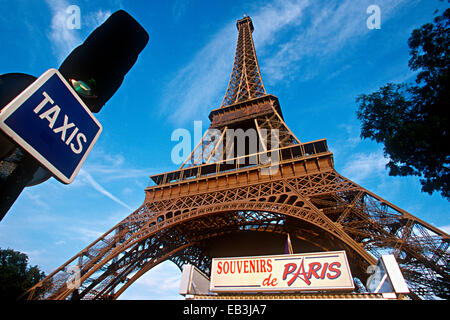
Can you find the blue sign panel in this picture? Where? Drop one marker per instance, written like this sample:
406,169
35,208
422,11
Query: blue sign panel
51,122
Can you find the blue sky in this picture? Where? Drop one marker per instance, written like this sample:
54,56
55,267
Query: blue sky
315,56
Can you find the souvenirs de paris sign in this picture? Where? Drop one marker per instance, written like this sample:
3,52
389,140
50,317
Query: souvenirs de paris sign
292,272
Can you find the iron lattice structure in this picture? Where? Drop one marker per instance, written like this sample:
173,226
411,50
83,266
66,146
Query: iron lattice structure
245,80
246,205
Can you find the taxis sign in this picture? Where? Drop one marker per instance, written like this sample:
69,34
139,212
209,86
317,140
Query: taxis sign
293,272
51,122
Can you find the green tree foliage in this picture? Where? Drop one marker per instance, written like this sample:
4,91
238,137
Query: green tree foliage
412,120
15,275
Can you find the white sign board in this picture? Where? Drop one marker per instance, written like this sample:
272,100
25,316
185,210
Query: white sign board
293,272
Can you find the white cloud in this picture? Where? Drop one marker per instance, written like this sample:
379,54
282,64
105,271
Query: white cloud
94,19
352,135
159,283
163,277
316,31
202,83
84,234
36,257
446,228
84,176
102,170
37,199
363,166
198,85
326,28
275,17
63,39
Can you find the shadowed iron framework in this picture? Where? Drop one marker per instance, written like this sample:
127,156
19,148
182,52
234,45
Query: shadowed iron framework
246,205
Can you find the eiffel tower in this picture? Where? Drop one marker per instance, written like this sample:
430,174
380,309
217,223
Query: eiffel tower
222,202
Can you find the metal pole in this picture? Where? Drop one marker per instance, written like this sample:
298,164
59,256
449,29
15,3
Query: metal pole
17,167
16,179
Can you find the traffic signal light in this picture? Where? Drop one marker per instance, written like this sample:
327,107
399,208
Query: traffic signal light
97,67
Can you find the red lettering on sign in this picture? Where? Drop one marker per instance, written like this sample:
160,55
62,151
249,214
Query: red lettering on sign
239,266
252,266
288,269
315,269
297,275
263,265
226,267
268,282
244,266
324,270
269,265
332,269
